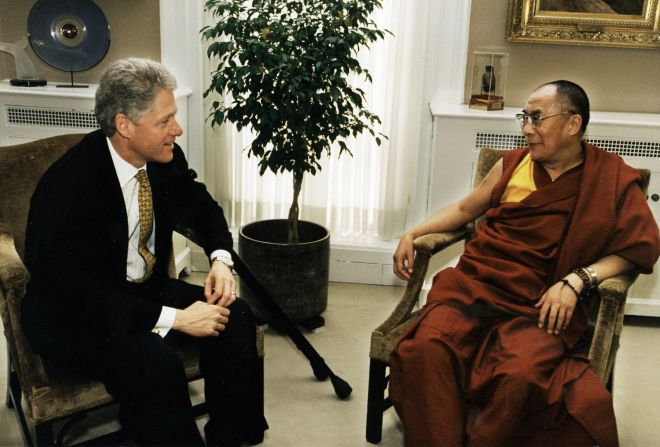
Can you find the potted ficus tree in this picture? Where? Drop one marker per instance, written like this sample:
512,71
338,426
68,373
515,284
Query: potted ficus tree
285,66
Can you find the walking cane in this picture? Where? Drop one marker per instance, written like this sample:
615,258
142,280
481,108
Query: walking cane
321,370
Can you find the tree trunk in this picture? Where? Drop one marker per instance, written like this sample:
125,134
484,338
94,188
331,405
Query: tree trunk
294,210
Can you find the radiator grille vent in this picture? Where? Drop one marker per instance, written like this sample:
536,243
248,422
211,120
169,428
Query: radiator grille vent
50,117
622,147
628,148
500,140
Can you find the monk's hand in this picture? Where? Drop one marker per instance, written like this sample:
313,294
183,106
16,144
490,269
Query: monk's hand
558,304
201,319
404,257
220,285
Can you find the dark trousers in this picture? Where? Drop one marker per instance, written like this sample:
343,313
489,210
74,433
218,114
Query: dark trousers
147,378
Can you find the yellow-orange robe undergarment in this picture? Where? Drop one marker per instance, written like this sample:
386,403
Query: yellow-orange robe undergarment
475,369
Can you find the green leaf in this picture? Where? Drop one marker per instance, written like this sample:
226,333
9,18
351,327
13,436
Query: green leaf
286,65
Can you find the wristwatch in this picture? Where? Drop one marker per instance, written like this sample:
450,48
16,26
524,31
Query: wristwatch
593,277
226,260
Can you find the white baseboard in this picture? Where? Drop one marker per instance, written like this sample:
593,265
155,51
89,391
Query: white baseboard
643,307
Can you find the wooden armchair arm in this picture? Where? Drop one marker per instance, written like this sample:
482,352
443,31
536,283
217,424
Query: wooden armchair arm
425,247
13,278
609,322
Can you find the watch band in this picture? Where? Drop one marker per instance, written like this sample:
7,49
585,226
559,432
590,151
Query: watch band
592,276
226,260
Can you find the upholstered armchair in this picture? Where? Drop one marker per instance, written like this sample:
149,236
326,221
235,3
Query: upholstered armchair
605,313
42,395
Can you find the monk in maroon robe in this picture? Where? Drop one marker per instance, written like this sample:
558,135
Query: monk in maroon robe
497,357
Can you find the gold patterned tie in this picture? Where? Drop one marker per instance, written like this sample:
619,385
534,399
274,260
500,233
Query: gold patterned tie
146,209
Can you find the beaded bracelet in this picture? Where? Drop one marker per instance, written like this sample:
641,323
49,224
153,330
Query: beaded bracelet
585,277
570,286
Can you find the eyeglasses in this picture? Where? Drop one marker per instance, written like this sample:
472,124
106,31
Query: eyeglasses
535,119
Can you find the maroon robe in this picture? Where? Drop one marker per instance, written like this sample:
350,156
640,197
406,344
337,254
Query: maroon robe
475,369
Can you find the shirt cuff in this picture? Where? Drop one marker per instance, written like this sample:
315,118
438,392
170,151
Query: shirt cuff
221,254
165,321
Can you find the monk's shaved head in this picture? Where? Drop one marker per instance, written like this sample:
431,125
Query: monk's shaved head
572,98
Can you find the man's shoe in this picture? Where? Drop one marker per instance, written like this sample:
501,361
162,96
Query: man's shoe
214,438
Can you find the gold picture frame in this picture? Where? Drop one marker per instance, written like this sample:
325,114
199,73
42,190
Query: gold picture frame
635,23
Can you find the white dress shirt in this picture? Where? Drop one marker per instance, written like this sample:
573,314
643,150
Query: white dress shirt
135,264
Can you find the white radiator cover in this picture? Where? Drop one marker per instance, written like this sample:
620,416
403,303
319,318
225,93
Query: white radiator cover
49,117
459,133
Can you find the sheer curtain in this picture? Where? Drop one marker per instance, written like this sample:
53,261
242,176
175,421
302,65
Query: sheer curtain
361,199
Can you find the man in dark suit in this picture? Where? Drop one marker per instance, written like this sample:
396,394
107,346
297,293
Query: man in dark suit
99,301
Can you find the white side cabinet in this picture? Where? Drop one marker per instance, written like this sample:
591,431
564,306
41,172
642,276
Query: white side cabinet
31,113
459,133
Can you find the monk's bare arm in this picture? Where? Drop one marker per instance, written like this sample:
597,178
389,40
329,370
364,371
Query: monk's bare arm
610,266
450,217
559,301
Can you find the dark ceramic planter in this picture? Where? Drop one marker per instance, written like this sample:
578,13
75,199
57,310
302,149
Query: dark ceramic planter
296,275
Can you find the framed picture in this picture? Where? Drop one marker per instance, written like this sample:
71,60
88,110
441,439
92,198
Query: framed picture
613,23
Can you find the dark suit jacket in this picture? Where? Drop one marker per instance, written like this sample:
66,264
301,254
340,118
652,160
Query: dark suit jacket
77,241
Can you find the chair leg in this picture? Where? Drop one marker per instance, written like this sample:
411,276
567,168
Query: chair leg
377,384
8,400
610,382
43,434
611,362
14,400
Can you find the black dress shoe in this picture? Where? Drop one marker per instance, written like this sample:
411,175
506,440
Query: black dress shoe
222,438
257,438
236,437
